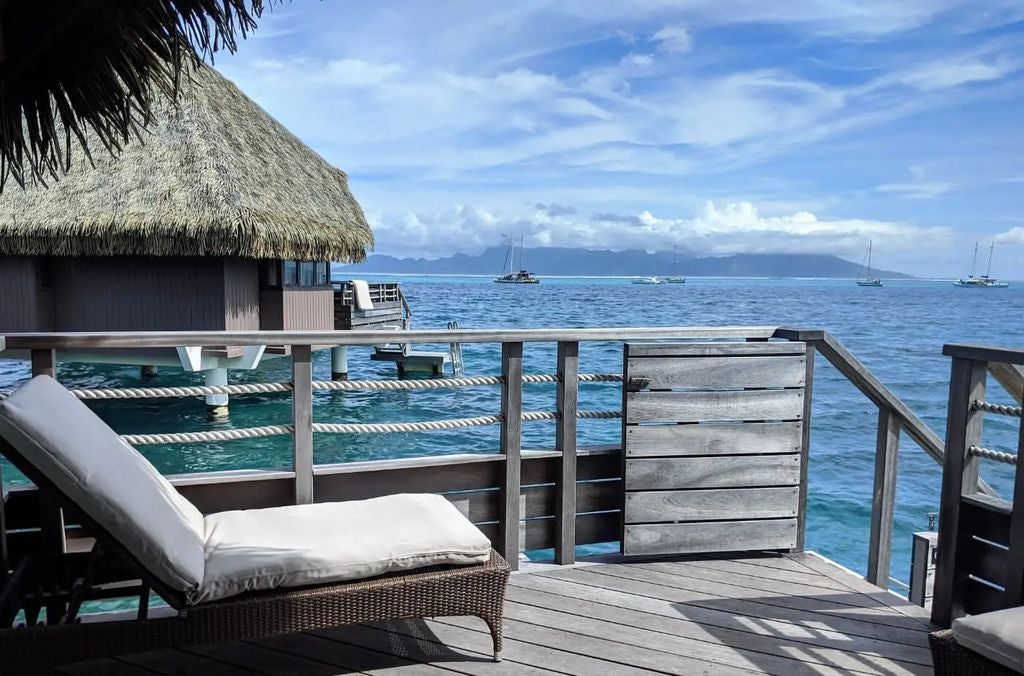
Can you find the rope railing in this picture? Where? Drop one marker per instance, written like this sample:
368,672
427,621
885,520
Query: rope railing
999,409
350,428
100,393
990,454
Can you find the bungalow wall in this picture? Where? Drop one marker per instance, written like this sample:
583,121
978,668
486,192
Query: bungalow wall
26,295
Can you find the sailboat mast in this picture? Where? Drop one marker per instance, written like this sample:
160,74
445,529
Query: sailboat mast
991,249
522,252
974,261
869,259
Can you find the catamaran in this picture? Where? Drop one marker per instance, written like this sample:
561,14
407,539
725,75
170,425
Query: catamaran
868,280
523,276
986,281
648,280
675,278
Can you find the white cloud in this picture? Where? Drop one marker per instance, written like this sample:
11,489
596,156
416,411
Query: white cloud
713,230
919,190
954,72
359,73
1011,236
674,39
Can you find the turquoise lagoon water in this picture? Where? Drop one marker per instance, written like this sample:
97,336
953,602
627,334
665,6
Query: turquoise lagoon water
897,331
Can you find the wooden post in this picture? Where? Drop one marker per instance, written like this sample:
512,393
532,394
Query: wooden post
883,498
5,559
511,448
566,397
805,449
1014,580
302,418
959,478
51,517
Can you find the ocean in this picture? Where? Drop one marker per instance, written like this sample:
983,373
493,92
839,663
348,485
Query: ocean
896,331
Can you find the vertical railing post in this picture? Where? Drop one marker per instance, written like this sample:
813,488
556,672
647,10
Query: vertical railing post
805,447
51,516
883,498
566,397
302,419
959,478
511,448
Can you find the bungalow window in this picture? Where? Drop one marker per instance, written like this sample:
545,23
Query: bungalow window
303,274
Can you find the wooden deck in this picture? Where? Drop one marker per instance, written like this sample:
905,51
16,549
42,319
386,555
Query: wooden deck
780,614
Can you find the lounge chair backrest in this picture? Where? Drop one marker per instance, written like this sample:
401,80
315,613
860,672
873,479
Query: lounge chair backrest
107,479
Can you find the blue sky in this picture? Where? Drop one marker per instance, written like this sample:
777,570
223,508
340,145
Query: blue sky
718,126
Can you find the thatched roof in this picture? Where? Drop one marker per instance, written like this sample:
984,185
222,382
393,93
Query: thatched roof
69,67
214,175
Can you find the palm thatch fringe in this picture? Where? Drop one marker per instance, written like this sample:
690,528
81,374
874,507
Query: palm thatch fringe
86,72
214,175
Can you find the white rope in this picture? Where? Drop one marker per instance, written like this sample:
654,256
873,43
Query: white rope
999,409
421,384
342,385
998,456
419,426
201,437
600,415
193,391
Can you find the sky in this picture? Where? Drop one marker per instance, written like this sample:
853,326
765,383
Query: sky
716,126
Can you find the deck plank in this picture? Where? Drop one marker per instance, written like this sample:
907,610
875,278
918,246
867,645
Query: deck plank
763,636
826,604
686,599
104,667
263,660
180,663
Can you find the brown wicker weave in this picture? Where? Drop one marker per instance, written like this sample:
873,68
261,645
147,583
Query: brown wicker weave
952,659
458,590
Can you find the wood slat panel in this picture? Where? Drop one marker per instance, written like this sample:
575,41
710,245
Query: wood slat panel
729,503
712,439
590,529
715,349
665,373
712,472
648,407
714,536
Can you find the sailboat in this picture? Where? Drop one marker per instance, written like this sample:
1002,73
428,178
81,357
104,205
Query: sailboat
675,279
523,276
986,281
868,280
648,280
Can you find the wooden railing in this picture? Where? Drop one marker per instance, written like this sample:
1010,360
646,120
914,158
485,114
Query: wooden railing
980,564
560,498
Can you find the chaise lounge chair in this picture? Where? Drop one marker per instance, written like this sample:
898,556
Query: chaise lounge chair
234,575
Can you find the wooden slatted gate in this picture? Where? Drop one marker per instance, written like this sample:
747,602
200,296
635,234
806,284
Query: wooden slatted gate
715,447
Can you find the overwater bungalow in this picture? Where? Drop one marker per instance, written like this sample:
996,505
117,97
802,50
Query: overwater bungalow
218,218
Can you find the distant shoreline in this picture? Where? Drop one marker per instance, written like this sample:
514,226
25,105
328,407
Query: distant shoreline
356,275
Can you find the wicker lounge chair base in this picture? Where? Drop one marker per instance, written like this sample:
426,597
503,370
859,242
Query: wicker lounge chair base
477,590
952,659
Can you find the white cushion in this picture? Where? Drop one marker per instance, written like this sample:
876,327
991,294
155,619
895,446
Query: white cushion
303,545
108,479
998,635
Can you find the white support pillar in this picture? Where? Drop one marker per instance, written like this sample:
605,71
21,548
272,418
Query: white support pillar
339,362
216,404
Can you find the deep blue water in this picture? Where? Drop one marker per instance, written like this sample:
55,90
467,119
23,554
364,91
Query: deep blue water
897,331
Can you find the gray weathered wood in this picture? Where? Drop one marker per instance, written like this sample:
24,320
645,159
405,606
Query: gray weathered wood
645,407
712,536
728,349
566,395
883,499
302,418
134,339
712,472
1011,377
805,447
704,505
665,373
713,439
984,353
511,447
959,477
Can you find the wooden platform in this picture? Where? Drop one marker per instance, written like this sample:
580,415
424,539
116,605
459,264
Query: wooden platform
790,614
